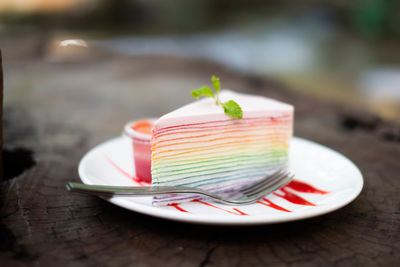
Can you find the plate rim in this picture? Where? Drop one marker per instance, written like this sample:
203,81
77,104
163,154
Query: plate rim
173,215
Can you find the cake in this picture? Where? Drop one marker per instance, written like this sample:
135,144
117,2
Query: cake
198,145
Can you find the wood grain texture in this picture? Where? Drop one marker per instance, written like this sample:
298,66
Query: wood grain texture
62,110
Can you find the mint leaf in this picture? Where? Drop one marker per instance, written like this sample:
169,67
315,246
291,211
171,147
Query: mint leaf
203,91
216,83
232,109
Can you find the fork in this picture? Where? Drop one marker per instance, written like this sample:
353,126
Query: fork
243,196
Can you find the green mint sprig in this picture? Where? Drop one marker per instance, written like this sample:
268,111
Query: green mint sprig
230,107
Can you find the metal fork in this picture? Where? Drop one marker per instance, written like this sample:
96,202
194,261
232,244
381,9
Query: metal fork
243,196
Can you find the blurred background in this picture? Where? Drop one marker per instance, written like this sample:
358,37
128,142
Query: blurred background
344,51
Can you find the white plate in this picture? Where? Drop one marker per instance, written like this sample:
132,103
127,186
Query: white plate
111,163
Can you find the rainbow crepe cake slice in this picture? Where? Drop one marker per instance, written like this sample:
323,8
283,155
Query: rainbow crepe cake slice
198,145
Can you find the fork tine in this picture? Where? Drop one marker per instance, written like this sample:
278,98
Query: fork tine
266,185
271,187
264,182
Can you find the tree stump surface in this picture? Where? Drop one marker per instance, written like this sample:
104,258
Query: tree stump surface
55,112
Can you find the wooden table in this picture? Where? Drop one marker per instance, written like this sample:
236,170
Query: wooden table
55,112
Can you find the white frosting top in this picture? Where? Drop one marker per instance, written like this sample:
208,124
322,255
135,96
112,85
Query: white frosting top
205,110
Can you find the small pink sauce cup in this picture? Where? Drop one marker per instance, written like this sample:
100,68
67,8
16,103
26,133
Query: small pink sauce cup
140,133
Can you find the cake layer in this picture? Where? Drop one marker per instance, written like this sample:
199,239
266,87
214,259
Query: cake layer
220,153
205,110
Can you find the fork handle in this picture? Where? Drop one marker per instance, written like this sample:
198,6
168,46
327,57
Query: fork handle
127,190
